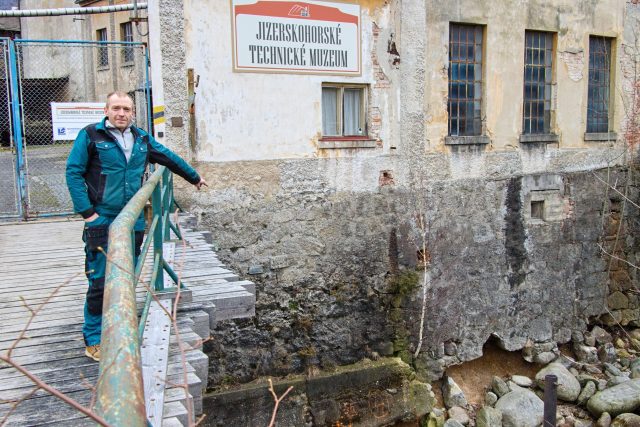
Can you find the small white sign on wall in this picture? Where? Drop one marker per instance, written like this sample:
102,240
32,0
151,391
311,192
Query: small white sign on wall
314,37
68,118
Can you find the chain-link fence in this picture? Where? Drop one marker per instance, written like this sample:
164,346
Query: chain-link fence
8,183
75,74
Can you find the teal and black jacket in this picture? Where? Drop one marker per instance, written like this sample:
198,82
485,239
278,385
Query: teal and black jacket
99,177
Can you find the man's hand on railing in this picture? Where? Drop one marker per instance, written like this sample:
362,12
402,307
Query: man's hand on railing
201,183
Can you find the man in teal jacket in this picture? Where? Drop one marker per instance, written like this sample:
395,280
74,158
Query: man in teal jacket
104,170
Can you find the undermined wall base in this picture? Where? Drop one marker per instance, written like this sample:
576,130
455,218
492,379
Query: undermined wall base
369,393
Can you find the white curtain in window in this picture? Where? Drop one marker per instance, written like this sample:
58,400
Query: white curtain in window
352,102
329,111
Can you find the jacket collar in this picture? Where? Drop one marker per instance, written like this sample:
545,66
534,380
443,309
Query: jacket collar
102,126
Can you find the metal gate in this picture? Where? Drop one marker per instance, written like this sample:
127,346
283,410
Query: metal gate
37,73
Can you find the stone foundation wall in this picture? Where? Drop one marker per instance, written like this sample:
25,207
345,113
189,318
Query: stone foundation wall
515,258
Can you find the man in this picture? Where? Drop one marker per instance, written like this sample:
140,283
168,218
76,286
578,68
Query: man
104,170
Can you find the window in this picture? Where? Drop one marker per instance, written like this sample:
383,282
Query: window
465,80
343,110
538,68
126,35
103,52
599,84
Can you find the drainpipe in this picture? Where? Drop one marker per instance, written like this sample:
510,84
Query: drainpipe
29,13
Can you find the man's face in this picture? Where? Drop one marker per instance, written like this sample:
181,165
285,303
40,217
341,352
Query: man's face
119,111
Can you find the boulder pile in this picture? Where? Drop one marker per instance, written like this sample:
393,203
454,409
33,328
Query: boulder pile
600,387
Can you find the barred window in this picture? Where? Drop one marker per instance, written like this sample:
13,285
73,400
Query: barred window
538,69
599,84
465,80
126,35
103,51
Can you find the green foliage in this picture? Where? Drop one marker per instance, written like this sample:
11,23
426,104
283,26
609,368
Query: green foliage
404,283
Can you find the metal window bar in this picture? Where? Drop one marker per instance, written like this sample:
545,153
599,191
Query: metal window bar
120,396
126,31
538,72
103,52
599,84
465,80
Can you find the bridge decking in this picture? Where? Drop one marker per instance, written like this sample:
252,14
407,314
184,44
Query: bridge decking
40,258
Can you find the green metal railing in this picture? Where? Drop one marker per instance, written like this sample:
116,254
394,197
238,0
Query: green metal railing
120,391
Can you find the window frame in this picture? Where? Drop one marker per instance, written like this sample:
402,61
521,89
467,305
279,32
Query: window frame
364,88
599,134
478,39
127,50
546,134
102,61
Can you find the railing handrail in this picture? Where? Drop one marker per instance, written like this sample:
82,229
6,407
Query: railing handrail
120,390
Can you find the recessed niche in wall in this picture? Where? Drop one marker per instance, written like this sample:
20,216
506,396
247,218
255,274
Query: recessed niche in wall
537,209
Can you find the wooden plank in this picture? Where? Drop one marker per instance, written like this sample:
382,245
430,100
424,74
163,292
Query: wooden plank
154,351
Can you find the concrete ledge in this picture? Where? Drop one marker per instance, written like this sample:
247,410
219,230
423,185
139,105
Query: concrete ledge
539,137
349,143
601,136
467,140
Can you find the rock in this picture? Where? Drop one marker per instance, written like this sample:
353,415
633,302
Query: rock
583,379
435,420
635,334
620,343
577,337
607,353
544,358
626,420
592,369
490,398
586,393
522,381
614,381
616,400
488,417
604,420
499,386
568,386
589,339
585,353
601,335
450,348
612,369
452,394
521,408
459,414
617,300
635,368
452,423
602,384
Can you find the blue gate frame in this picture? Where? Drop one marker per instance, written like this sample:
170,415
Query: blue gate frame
13,50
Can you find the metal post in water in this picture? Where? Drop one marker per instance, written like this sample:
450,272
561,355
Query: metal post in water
550,400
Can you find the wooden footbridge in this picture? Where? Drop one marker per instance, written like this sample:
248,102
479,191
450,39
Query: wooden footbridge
42,291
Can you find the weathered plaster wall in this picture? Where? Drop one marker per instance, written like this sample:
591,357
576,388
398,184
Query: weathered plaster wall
326,234
253,116
505,26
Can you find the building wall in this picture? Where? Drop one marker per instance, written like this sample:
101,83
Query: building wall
330,234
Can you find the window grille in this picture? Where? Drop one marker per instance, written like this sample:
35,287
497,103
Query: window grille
599,84
538,72
465,80
103,52
126,34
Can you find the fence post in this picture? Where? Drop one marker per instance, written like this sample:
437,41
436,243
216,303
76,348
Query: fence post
550,400
21,179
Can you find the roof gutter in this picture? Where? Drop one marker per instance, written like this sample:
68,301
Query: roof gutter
28,13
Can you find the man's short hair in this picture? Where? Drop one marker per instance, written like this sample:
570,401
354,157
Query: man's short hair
120,94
